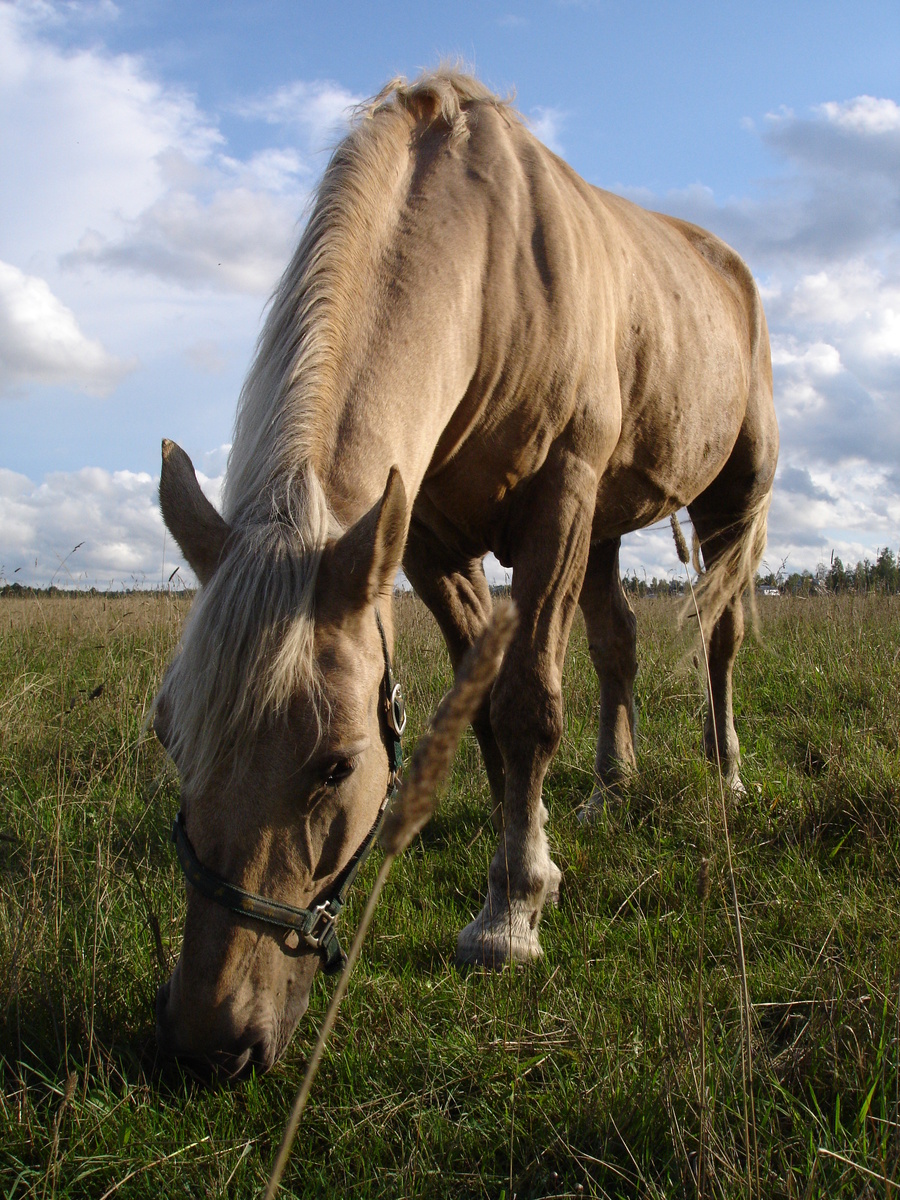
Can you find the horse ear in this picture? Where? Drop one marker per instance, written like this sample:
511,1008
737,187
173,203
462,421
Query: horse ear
191,519
364,562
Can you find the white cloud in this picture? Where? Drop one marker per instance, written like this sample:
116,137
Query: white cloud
859,303
239,240
273,170
850,144
884,341
818,358
111,516
824,238
546,125
82,12
150,188
865,114
319,109
837,197
40,340
87,126
853,510
213,472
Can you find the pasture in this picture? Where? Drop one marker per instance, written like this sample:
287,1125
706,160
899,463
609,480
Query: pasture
612,1068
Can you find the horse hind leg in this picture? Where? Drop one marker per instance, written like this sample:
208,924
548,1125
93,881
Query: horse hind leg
730,521
720,739
731,553
612,642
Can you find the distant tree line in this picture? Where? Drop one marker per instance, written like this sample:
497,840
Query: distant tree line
652,587
882,575
12,591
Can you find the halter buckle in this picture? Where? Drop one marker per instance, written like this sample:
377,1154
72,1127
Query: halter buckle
318,932
396,710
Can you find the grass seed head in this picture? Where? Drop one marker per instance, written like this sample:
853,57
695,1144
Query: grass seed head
681,545
411,808
703,880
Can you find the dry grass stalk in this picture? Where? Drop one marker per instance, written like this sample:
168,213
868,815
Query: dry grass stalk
411,809
409,812
703,1155
889,1184
68,1092
751,1149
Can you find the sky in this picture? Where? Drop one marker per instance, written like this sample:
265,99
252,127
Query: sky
156,157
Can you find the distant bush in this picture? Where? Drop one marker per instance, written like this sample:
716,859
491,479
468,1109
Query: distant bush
882,576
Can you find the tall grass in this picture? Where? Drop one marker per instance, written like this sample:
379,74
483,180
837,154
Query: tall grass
596,1069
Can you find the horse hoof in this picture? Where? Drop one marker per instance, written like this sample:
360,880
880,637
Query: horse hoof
508,938
591,812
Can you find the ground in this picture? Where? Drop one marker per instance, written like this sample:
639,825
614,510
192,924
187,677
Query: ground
617,1065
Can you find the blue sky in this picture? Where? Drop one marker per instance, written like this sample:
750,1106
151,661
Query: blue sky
155,159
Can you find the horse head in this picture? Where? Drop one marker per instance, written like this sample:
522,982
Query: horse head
277,711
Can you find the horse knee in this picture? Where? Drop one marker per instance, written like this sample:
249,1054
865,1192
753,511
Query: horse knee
614,658
527,716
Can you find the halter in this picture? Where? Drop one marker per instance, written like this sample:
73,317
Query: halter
315,925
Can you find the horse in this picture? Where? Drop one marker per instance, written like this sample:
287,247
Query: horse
471,350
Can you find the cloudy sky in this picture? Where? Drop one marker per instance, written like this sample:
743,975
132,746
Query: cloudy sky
155,158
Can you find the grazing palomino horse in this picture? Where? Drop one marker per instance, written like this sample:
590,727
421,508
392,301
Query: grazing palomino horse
472,350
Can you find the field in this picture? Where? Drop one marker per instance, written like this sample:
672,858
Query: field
613,1068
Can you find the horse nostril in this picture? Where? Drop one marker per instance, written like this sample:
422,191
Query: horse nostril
216,1056
262,1054
249,1053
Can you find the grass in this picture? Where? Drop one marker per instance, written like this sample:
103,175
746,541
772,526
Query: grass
588,1074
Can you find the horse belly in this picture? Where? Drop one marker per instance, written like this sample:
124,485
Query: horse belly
656,413
678,431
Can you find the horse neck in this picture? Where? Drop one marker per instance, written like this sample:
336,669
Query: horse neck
387,347
406,370
394,420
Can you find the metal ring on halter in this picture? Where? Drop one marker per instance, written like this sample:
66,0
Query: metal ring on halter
397,710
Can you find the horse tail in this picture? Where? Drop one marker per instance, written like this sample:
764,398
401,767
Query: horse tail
732,570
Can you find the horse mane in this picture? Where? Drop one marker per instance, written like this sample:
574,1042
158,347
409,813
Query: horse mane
291,387
247,646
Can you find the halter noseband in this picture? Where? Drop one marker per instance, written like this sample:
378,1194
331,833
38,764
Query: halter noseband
315,925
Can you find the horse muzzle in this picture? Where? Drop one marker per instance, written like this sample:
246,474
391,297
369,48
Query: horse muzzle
219,1045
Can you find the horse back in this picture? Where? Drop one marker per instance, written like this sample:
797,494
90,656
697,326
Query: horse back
632,338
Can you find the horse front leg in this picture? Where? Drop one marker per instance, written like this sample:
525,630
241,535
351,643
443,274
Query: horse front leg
456,592
549,561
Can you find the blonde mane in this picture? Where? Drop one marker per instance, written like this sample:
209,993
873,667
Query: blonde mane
248,645
291,389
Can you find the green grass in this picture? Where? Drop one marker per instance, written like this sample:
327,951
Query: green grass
580,1076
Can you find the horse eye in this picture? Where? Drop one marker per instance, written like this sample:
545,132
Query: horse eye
339,771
